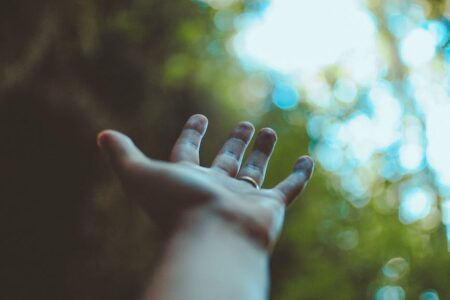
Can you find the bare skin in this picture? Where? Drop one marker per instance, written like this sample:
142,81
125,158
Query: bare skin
215,217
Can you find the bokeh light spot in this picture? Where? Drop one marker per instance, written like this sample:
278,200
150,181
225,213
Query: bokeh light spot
285,96
429,295
345,90
439,31
390,292
411,156
396,268
347,239
418,47
399,24
416,203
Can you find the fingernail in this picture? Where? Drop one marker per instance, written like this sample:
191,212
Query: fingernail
199,122
268,134
306,165
265,141
101,140
244,131
246,126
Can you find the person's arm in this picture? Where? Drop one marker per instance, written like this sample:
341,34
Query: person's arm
209,257
222,225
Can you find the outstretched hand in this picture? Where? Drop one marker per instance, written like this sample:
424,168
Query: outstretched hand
167,190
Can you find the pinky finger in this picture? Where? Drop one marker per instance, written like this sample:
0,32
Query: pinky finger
294,184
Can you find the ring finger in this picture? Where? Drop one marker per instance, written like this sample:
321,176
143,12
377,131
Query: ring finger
256,164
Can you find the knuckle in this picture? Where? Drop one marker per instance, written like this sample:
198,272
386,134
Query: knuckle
278,196
253,170
230,153
229,166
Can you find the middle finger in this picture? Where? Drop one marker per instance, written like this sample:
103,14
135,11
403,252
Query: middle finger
229,159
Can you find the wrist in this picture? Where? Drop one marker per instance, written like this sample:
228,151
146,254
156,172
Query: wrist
221,220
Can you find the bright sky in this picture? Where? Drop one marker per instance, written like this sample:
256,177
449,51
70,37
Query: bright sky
296,35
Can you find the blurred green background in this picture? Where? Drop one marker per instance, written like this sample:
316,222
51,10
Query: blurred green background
370,106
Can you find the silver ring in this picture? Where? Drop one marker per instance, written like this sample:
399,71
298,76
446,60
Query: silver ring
250,180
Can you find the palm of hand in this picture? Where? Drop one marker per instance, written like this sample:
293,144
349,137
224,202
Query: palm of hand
168,189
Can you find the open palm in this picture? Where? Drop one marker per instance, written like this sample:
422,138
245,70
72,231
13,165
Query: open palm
166,190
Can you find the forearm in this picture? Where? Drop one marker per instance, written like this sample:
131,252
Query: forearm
211,258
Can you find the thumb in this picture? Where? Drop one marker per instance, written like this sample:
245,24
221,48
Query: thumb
119,147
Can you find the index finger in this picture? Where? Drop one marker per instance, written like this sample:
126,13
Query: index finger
187,146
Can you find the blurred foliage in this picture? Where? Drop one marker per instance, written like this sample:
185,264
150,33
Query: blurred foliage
70,68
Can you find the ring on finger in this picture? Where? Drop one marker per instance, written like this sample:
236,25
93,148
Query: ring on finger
250,180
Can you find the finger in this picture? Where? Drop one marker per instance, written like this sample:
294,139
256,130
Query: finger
188,144
256,164
119,147
229,158
294,184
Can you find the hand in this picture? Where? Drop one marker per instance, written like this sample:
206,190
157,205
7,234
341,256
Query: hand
168,190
